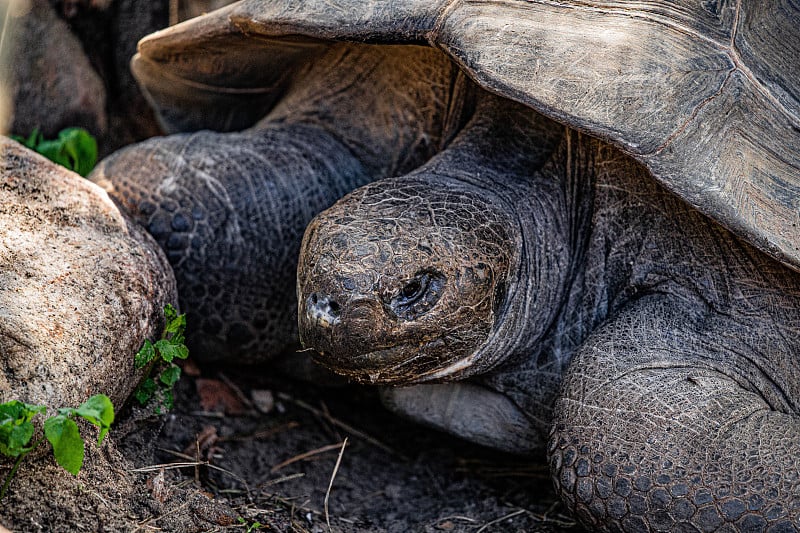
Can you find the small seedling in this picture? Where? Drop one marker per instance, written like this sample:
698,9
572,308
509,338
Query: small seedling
74,148
17,430
250,527
160,356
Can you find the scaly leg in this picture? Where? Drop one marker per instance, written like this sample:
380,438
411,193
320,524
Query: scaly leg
655,429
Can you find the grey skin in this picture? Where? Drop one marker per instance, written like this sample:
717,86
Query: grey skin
229,209
533,288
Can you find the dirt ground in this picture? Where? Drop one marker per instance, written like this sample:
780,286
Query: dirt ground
222,461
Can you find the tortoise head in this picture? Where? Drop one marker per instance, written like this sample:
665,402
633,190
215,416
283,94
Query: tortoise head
403,279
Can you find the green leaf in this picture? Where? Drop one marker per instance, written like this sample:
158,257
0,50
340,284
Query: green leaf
145,391
170,350
62,432
177,338
32,141
170,313
52,150
80,147
98,410
170,375
20,411
14,438
145,354
74,148
16,429
175,323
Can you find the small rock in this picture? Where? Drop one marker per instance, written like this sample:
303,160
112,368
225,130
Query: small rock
213,511
263,400
217,396
159,487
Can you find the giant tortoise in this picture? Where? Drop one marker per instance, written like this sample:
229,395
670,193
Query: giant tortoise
614,279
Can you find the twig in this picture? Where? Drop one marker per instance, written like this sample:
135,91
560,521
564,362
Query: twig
345,426
330,484
236,390
167,466
328,426
237,477
197,458
439,521
561,520
263,434
283,479
305,455
290,505
145,522
501,519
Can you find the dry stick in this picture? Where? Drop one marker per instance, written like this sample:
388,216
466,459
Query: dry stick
236,390
306,455
283,479
197,458
343,425
261,434
437,524
330,484
289,503
544,518
237,477
501,519
166,466
328,426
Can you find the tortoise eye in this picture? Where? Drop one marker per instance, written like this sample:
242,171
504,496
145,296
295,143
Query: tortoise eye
412,289
418,295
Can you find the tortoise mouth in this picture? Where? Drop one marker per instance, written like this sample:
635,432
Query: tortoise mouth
400,364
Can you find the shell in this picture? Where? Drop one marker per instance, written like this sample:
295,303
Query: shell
705,94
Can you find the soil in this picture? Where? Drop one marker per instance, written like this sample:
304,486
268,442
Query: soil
222,461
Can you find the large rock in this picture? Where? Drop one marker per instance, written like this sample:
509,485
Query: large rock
46,75
81,286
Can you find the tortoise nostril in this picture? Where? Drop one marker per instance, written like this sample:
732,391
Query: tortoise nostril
322,309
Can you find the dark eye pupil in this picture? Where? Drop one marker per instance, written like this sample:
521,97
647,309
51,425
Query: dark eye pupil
411,290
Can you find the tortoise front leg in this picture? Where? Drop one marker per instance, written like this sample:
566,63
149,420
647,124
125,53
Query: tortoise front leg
652,433
469,411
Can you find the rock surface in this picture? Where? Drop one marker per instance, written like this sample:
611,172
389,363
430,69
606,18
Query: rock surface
81,287
47,77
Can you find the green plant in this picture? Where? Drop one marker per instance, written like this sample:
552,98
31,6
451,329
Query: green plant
160,356
250,527
74,148
17,430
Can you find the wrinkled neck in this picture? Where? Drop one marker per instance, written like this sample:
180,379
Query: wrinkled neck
517,160
393,106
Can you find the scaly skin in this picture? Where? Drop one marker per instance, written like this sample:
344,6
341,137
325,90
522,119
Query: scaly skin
230,208
653,350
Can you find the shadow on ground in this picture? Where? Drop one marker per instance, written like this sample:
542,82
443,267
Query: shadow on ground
245,450
276,467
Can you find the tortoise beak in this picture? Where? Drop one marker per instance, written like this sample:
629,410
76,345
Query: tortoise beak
347,331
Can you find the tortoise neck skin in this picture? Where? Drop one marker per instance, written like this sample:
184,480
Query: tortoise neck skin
498,258
446,272
393,106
